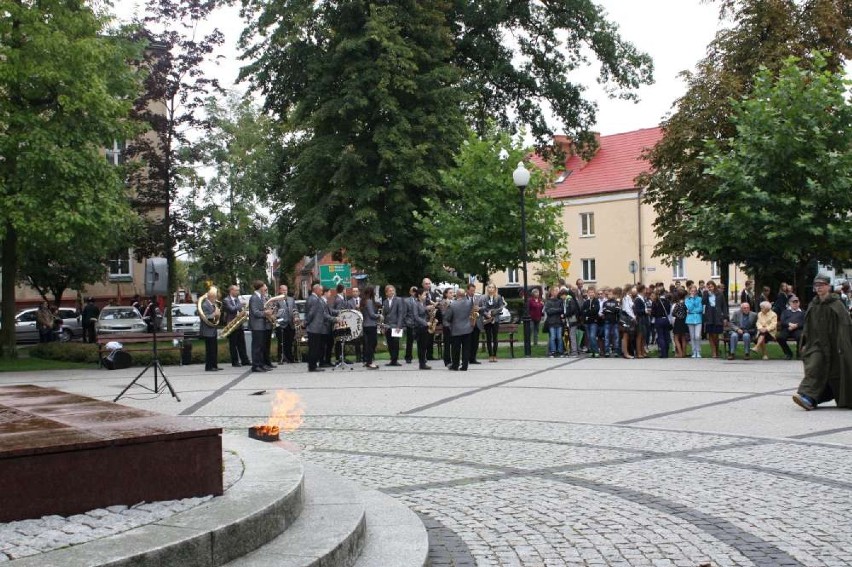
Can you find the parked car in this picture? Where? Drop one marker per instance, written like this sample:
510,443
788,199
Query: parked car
118,319
185,318
25,325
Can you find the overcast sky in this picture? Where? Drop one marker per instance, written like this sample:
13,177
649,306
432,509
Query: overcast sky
674,32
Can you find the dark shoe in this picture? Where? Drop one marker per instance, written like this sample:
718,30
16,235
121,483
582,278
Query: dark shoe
463,369
474,362
393,364
408,361
317,370
804,402
272,365
425,367
268,368
453,369
259,369
236,364
730,357
747,356
788,357
326,365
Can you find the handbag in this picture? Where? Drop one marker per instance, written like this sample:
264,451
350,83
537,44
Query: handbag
626,322
668,313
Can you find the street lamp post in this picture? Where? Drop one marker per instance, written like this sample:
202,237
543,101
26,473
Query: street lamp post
521,177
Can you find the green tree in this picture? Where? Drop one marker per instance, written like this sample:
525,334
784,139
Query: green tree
477,228
786,175
378,96
762,33
176,90
66,88
228,232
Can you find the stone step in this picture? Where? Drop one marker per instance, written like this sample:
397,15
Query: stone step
330,532
395,535
266,501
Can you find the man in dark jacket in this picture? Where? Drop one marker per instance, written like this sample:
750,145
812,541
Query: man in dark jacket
826,350
790,327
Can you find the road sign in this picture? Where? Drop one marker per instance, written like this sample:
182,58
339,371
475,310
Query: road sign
633,266
565,264
333,274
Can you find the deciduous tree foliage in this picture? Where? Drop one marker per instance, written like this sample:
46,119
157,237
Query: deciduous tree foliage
762,33
788,172
228,233
65,93
477,228
379,96
176,89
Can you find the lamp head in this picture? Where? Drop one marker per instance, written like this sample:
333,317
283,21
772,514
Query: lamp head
521,176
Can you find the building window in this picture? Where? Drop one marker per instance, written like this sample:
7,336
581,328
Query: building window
513,276
119,266
115,154
678,269
589,274
587,224
714,270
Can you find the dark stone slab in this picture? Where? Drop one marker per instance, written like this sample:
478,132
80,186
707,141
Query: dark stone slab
64,454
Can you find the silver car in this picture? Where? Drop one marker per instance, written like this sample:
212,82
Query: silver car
185,318
26,331
117,319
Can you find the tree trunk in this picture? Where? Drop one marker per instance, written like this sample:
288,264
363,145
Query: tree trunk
725,277
8,347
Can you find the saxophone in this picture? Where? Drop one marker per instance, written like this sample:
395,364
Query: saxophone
432,324
474,314
236,322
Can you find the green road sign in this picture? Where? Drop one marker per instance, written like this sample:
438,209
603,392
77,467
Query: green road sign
333,274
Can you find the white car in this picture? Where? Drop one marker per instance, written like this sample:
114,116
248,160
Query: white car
185,318
118,319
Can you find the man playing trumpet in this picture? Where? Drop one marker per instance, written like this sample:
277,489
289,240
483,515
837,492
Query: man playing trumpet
209,321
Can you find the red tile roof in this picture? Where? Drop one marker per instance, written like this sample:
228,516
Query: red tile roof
613,168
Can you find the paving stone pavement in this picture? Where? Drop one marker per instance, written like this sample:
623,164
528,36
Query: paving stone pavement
550,463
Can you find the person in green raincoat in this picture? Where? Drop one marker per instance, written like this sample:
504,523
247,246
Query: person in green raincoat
826,350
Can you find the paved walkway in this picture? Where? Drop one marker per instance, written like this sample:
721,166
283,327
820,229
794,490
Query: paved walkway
562,462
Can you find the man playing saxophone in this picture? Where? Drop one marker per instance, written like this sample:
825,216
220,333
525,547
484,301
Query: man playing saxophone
209,321
285,329
260,327
232,306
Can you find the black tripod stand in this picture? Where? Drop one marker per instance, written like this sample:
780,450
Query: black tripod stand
158,369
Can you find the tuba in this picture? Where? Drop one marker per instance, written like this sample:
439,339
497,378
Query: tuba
217,314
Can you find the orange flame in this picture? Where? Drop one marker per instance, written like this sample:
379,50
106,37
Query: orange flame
287,411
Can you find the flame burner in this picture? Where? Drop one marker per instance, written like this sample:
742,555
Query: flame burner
264,433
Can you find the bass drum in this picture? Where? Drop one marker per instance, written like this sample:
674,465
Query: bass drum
349,326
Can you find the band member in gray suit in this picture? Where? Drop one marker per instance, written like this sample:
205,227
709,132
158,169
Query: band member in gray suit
457,317
410,325
433,298
369,309
231,306
418,315
314,319
474,332
285,329
209,331
393,310
260,328
354,303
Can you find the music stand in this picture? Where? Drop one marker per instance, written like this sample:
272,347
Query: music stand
155,364
341,356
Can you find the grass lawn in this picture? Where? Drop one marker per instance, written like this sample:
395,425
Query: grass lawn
26,364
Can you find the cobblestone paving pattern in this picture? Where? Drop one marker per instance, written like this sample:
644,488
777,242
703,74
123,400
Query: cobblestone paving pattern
512,493
31,537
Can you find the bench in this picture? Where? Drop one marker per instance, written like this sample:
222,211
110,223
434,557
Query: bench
726,336
139,338
511,329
